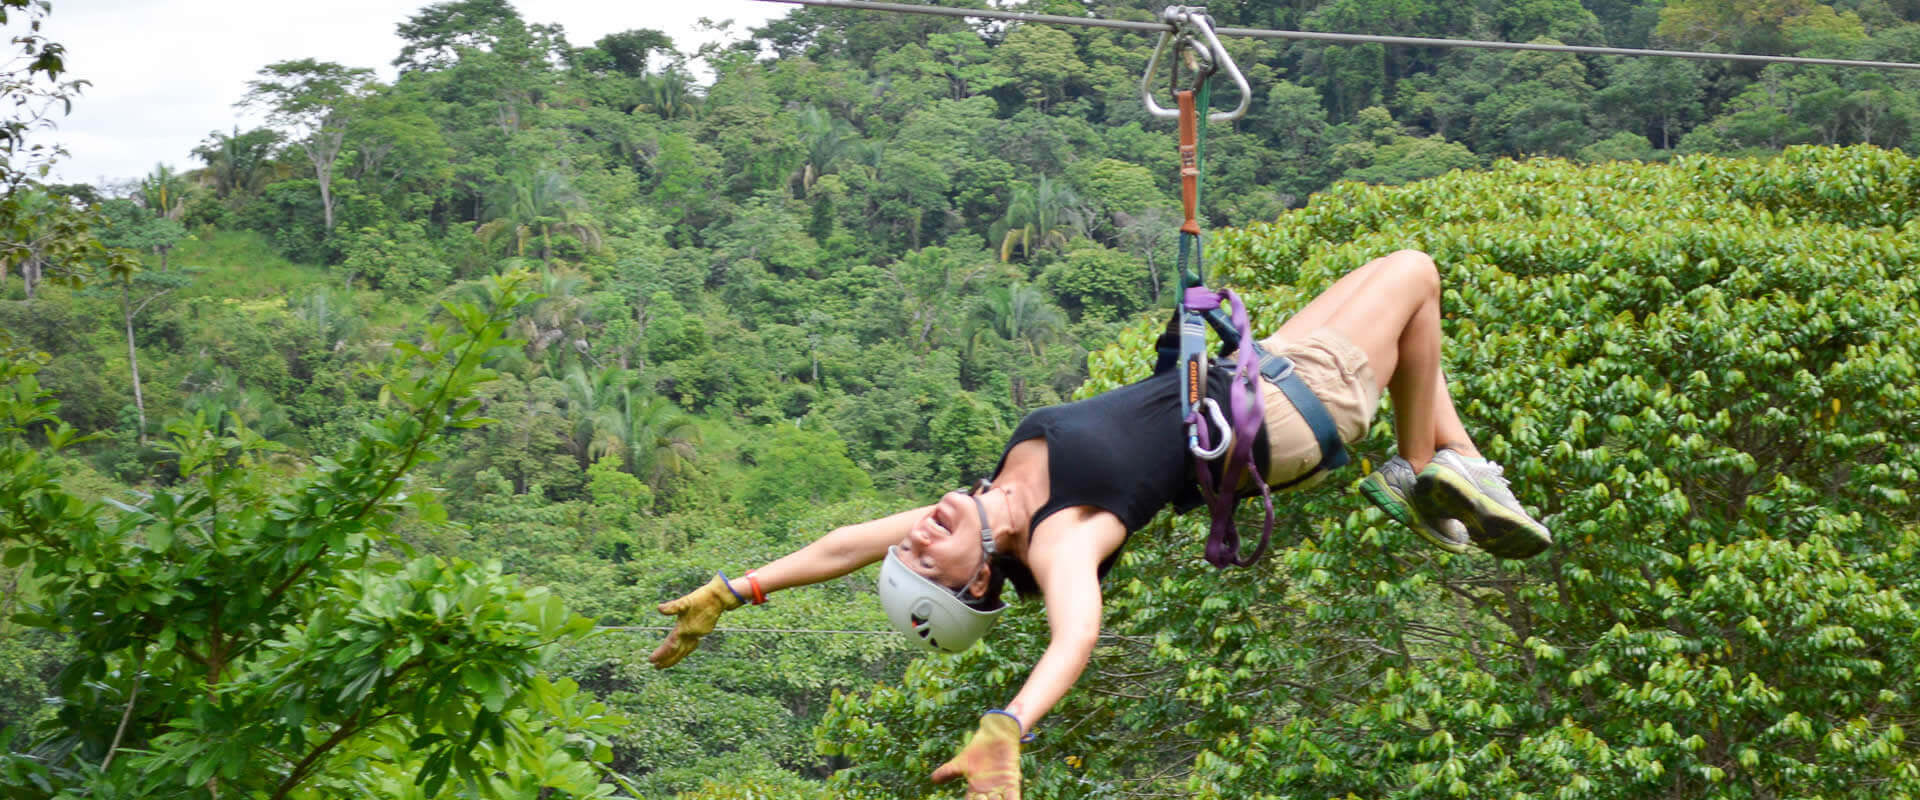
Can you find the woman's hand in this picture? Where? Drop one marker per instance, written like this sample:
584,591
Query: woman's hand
990,761
697,612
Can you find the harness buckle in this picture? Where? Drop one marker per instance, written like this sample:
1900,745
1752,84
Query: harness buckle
1272,367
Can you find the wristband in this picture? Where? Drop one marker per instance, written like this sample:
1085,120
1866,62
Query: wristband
759,597
1024,738
729,584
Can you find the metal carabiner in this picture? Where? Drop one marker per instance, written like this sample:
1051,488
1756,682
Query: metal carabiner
1187,24
1219,421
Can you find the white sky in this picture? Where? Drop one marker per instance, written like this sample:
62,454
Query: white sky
165,73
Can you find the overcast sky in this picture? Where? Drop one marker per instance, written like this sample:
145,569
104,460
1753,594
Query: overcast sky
167,72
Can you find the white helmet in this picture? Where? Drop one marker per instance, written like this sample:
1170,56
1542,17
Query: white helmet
929,613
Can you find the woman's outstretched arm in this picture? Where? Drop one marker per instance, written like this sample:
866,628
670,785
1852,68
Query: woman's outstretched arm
839,552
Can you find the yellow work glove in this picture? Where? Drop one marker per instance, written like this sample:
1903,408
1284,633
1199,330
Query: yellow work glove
990,761
698,610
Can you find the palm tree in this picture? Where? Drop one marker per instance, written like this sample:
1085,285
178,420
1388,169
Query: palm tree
533,207
826,137
670,94
1044,214
238,164
656,439
588,392
164,192
216,394
558,316
611,413
1021,316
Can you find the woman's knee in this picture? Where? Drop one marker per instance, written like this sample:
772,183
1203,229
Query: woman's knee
1412,271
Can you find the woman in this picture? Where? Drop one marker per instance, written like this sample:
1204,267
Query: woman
1077,479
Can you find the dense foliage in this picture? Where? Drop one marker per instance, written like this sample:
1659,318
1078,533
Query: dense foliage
825,283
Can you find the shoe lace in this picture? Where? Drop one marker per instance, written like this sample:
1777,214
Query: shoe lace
1492,473
1496,473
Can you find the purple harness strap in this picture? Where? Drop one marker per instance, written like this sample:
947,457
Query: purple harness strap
1223,542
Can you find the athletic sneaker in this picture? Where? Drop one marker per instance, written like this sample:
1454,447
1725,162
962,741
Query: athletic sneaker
1474,491
1388,488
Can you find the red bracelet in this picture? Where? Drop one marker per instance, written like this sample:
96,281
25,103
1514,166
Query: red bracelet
759,597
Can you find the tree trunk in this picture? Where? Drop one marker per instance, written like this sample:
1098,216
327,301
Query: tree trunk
133,359
322,149
326,192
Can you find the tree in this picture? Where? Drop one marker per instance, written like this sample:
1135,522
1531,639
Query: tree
1744,26
1097,282
1116,189
826,138
32,84
800,468
966,62
533,206
654,439
1020,316
398,259
240,164
1040,60
314,102
1385,153
670,95
1657,98
397,152
1538,109
435,35
1565,20
164,193
1043,214
136,228
629,52
233,634
1151,237
930,281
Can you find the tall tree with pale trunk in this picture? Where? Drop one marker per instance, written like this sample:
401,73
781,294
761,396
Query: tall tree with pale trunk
312,101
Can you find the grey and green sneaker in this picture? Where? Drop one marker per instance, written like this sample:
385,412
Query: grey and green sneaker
1388,488
1474,491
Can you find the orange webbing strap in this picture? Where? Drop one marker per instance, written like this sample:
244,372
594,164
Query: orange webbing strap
1189,161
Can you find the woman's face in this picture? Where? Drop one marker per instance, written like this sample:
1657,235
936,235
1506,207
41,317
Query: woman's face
944,546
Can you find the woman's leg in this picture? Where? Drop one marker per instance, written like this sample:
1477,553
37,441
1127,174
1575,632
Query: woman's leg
1390,309
1448,431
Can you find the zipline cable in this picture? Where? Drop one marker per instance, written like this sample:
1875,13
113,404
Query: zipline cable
669,628
788,631
1339,38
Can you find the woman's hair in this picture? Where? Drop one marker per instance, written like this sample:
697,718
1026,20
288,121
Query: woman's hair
1001,570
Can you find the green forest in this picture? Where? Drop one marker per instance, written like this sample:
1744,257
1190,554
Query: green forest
351,457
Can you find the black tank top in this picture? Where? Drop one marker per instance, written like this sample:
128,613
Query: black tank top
1123,451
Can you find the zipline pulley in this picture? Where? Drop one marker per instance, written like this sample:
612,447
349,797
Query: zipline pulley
1193,30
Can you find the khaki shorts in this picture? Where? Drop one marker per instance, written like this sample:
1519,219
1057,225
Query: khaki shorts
1337,371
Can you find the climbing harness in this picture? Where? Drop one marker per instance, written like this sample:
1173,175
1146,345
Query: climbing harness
1197,307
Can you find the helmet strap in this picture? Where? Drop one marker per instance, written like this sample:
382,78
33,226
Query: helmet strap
986,528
